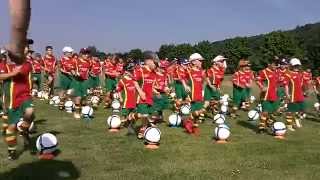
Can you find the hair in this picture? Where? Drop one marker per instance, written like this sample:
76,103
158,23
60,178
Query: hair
48,47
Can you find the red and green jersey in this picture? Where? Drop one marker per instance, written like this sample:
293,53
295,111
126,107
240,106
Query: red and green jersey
269,78
67,64
239,79
161,81
249,75
148,79
83,67
95,68
127,85
295,83
49,63
110,69
282,78
180,73
216,75
196,78
307,78
120,68
19,87
36,66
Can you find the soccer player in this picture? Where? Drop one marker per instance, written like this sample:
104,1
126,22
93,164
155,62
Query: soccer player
295,94
95,72
111,75
19,104
214,79
268,82
281,93
49,67
249,75
147,77
120,66
3,69
79,83
196,81
129,90
239,87
36,71
67,70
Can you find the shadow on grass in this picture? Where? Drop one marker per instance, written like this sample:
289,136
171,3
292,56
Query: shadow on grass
40,121
248,125
43,170
313,117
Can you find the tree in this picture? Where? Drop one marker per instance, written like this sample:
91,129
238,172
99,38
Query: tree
135,54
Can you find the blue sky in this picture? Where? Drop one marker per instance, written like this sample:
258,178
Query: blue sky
119,25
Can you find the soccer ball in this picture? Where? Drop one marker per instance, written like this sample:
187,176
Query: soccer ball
69,106
114,122
19,126
279,128
152,135
116,96
224,109
34,92
94,100
185,109
253,115
225,103
252,99
40,94
115,104
55,100
259,107
316,106
219,119
222,132
172,95
69,92
45,95
47,143
87,111
174,120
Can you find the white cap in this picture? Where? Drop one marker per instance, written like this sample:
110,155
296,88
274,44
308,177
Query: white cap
195,56
2,51
67,49
295,62
219,58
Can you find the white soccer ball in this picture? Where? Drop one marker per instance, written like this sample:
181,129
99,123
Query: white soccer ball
174,120
259,107
225,103
152,135
69,106
316,106
19,126
40,94
55,100
69,92
34,92
252,99
116,96
87,111
253,115
172,95
279,128
224,109
45,95
47,143
185,109
219,119
114,122
94,99
116,104
222,132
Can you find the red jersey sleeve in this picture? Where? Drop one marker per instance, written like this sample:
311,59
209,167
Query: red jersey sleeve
26,69
120,86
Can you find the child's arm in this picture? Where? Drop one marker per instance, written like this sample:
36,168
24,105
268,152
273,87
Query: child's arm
140,92
10,74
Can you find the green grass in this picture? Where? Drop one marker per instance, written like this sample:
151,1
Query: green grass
94,153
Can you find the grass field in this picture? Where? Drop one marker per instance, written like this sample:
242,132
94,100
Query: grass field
94,153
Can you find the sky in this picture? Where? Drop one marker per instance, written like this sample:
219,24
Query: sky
119,25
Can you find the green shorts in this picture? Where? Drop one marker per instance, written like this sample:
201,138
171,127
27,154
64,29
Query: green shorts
36,78
210,94
281,94
239,96
126,112
180,91
16,114
144,109
269,106
296,107
79,87
161,103
318,97
196,106
65,81
94,81
110,84
248,93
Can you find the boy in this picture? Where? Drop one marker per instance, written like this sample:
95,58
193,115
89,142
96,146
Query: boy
49,67
111,75
36,71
